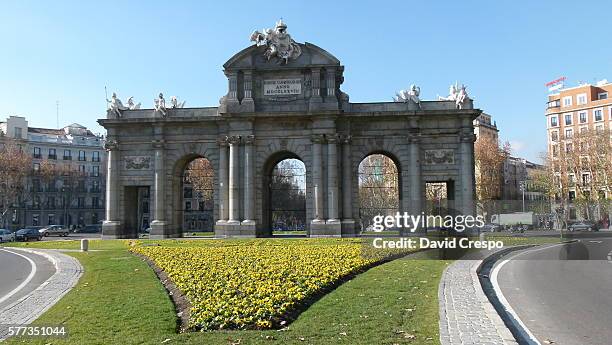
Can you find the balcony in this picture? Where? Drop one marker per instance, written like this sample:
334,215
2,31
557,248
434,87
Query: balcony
37,155
67,158
54,157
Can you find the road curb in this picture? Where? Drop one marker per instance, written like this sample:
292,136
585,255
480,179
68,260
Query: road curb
68,271
501,306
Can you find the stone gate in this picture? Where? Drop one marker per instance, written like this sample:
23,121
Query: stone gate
283,101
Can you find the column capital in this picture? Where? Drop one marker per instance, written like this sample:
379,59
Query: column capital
346,138
223,140
414,138
318,138
234,140
248,139
333,138
111,145
158,144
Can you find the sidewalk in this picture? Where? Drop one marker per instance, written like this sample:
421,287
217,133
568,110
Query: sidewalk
68,270
466,315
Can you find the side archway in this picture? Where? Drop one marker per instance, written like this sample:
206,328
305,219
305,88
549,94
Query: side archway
284,195
379,188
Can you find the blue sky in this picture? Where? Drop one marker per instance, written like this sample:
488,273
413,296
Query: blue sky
503,50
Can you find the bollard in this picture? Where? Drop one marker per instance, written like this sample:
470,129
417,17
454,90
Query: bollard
84,245
483,236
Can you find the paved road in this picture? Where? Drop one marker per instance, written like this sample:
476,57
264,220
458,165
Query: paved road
563,293
20,275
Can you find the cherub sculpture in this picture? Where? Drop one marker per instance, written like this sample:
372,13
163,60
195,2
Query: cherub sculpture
132,105
175,103
411,95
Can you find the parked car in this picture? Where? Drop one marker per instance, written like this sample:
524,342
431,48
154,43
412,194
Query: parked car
6,235
490,228
582,226
89,229
58,230
28,234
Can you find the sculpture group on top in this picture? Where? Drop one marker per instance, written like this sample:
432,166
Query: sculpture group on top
279,43
115,106
411,95
457,94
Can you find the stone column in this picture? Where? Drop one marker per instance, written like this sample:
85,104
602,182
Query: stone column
317,177
158,225
223,181
347,179
415,197
332,179
466,150
249,181
111,227
234,184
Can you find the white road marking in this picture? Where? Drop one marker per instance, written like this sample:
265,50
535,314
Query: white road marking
502,299
25,282
610,257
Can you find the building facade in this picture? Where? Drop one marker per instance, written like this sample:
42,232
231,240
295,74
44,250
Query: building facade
283,101
484,127
74,194
570,113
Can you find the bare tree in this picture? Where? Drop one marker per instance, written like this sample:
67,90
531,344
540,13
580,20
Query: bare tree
579,172
15,166
489,159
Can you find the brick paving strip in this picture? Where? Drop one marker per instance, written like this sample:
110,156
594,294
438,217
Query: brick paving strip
68,270
466,315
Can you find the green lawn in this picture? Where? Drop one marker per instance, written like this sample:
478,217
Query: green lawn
119,300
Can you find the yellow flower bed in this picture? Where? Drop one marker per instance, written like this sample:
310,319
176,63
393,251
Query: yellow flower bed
251,285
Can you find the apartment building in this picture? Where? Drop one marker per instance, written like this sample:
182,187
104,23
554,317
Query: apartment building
74,196
572,111
484,127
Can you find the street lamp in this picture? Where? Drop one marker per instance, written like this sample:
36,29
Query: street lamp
522,187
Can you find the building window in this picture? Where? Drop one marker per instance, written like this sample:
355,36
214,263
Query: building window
51,202
568,133
567,101
586,179
583,116
568,119
95,156
554,136
599,128
555,150
554,122
35,219
81,202
67,155
95,171
37,152
598,115
581,99
18,133
82,155
568,148
52,154
602,95
95,186
51,219
188,206
572,195
36,167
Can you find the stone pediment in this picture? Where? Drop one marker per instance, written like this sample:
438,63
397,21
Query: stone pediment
307,81
253,58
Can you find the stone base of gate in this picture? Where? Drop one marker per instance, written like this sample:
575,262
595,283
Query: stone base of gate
330,228
112,230
348,228
227,229
161,230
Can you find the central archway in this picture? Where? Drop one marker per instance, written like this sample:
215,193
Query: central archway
379,189
285,197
